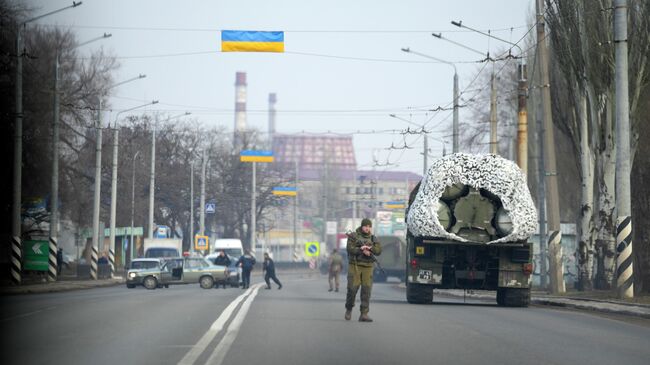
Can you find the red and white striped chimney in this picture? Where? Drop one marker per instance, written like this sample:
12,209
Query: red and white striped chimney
240,107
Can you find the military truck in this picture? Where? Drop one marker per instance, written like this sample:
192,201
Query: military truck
468,225
393,251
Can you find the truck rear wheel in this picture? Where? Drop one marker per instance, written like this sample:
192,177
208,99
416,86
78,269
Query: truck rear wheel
513,297
418,294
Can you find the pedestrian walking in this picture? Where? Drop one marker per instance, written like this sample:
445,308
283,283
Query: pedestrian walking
222,260
268,268
59,261
362,248
246,262
336,265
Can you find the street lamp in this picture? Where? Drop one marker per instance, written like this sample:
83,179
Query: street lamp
16,232
131,243
152,182
111,249
54,196
455,122
522,87
98,179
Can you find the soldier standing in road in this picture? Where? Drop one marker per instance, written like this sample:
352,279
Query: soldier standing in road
268,267
246,262
336,264
362,248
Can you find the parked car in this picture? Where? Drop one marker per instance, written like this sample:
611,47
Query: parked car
233,271
139,265
181,270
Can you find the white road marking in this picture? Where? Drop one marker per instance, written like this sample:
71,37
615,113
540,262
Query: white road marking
216,327
219,353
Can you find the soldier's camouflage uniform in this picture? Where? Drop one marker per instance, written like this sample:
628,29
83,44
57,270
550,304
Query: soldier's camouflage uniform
360,268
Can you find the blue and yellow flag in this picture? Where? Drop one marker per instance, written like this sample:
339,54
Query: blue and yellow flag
251,41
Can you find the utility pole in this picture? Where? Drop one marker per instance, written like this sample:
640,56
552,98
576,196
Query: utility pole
425,153
541,200
192,206
202,207
624,259
116,134
54,195
295,211
552,198
522,123
152,180
494,144
131,242
455,145
16,230
97,195
253,228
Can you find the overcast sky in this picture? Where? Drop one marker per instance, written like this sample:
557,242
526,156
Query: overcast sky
342,70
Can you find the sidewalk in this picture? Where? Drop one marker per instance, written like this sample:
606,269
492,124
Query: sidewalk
599,301
65,284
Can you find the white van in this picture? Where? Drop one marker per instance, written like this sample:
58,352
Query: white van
232,246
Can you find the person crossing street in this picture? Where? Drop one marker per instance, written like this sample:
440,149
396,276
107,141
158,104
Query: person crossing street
268,268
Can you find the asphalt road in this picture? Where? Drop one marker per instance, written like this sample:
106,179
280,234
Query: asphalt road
301,324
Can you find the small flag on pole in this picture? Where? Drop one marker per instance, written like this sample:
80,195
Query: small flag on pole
251,41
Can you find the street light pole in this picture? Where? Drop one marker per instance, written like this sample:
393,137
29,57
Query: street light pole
54,195
152,181
131,243
16,231
455,128
98,180
111,249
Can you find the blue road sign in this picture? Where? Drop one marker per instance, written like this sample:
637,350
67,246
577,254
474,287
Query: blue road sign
210,207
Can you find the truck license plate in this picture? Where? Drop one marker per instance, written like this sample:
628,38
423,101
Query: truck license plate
425,274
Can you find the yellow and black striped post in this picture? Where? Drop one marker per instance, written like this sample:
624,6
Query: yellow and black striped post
624,261
93,264
51,260
16,260
111,261
554,246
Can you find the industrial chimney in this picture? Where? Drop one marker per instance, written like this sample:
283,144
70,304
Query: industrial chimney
272,100
240,109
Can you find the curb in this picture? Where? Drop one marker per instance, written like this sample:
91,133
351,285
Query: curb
58,287
585,304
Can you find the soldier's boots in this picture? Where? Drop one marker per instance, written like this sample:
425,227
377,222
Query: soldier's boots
364,318
348,314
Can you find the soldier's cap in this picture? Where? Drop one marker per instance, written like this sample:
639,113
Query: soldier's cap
366,222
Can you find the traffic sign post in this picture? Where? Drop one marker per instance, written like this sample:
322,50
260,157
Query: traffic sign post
312,249
201,243
254,157
36,255
210,208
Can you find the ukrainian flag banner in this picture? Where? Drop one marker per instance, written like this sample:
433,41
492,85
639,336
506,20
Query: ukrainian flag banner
251,41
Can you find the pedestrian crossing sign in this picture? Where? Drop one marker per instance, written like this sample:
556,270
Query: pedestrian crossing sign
312,249
201,243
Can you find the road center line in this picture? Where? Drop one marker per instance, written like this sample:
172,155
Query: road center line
216,327
219,353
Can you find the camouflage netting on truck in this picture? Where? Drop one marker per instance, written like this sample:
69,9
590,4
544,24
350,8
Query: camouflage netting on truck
495,174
